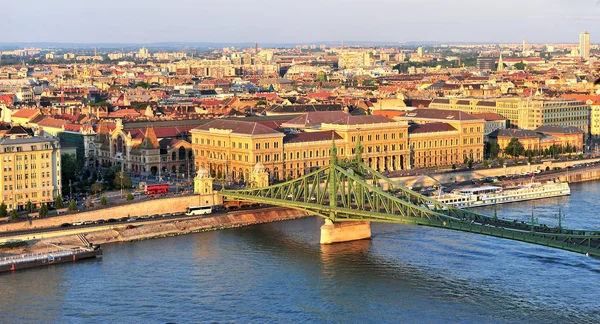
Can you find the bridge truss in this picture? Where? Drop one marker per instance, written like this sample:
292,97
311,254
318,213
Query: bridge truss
352,191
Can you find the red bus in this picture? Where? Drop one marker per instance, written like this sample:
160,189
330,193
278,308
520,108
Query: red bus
154,189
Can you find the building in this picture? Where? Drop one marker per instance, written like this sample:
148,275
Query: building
457,133
542,138
141,151
525,113
30,169
493,122
584,45
486,63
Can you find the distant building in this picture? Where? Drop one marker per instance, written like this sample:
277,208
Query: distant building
486,63
584,45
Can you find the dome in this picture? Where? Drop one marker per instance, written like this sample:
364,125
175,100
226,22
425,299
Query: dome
259,168
202,173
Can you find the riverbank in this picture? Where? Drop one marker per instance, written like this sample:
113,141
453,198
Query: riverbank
165,229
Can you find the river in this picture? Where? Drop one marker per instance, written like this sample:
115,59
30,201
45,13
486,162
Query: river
279,273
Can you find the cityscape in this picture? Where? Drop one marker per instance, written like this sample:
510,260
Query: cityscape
261,176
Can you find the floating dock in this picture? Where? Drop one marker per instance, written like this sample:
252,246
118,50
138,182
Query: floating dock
25,261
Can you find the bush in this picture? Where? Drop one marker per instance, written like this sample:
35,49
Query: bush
72,205
103,201
14,214
129,197
453,166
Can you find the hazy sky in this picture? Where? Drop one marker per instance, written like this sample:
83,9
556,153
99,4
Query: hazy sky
292,21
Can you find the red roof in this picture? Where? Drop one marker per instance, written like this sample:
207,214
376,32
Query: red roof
310,137
7,99
124,113
320,95
26,113
430,128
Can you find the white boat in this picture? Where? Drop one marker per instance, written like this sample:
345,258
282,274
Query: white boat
490,195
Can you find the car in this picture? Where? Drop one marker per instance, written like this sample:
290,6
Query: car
130,226
100,221
77,223
132,219
145,217
123,219
88,222
65,225
111,220
154,216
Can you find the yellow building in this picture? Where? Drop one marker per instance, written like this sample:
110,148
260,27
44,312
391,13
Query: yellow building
525,113
454,133
30,169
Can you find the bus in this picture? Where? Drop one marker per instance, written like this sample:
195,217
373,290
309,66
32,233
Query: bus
154,189
198,210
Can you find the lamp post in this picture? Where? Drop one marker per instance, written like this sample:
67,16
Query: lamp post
121,184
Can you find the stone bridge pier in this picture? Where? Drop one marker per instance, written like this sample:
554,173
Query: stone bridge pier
344,231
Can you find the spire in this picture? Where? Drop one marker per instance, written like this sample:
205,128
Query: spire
500,64
333,150
150,141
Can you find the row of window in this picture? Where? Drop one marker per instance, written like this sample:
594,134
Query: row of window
20,186
378,137
27,196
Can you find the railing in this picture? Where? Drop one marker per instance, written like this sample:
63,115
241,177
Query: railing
38,256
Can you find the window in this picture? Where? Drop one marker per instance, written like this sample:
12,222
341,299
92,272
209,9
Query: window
258,146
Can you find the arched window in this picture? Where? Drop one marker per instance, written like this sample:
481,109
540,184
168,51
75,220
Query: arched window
173,156
181,153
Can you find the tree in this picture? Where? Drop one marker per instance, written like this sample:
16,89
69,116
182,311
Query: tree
514,148
70,168
486,164
58,203
142,84
43,211
500,161
72,205
29,207
520,66
126,180
3,209
470,163
129,197
14,214
466,160
530,159
96,188
453,166
103,201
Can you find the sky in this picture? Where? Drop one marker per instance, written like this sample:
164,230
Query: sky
298,21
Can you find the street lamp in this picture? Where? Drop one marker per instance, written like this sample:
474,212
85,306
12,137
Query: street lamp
121,184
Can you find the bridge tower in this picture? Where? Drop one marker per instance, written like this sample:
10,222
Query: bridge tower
337,232
259,178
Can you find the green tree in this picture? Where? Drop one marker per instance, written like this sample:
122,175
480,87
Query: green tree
142,84
103,201
3,209
530,159
486,164
70,169
500,161
453,166
14,214
520,66
58,203
129,197
72,205
126,180
466,160
29,207
470,163
43,211
514,148
109,176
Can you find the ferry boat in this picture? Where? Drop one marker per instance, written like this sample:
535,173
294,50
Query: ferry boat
24,261
490,195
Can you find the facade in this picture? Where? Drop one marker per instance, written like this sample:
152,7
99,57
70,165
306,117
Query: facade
142,153
467,129
525,113
542,138
30,169
492,122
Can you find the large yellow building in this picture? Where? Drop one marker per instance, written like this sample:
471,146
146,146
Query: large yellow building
525,113
30,169
230,149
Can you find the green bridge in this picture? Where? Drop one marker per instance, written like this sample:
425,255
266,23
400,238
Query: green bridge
350,194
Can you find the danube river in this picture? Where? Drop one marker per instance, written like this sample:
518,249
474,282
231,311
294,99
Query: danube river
279,273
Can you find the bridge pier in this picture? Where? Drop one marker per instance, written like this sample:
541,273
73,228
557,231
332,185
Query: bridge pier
344,231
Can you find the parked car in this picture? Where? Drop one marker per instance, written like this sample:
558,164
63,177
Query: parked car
130,226
132,219
65,225
111,220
